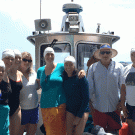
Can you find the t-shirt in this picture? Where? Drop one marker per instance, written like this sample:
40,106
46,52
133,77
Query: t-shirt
28,94
52,90
129,75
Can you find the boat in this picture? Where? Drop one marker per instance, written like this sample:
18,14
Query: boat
70,40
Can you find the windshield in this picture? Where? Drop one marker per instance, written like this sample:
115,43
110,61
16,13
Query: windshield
84,53
61,50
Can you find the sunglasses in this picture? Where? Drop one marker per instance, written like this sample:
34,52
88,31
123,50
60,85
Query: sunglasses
25,60
103,52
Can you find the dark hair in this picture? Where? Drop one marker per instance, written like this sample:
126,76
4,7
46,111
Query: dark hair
65,76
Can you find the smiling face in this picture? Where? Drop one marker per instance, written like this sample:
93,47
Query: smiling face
2,70
26,62
69,68
9,61
49,58
17,61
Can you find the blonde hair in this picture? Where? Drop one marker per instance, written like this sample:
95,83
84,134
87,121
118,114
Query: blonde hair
27,54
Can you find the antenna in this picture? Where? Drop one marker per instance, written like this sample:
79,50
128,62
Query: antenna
40,9
53,43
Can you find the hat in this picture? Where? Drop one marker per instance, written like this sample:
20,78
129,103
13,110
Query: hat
2,64
70,59
132,50
48,50
8,53
105,46
17,53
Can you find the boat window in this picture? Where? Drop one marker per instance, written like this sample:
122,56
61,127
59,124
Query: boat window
62,50
84,53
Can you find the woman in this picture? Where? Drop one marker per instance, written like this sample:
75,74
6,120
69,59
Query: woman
15,78
52,97
77,98
28,96
128,93
5,91
8,57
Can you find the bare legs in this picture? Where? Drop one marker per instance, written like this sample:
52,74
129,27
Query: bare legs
15,122
30,129
131,125
79,128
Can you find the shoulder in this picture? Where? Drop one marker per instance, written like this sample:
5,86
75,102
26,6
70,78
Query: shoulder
3,82
127,68
83,79
41,69
94,65
117,65
60,66
33,73
20,73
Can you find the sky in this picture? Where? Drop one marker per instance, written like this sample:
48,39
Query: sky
17,22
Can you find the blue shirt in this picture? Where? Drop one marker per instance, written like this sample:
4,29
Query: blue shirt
52,89
105,85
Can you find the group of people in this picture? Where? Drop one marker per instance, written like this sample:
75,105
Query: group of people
111,90
67,95
18,94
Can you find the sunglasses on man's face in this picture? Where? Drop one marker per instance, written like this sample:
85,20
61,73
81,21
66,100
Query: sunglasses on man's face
103,52
25,60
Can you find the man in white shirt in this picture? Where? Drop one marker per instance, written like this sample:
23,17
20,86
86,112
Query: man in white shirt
105,78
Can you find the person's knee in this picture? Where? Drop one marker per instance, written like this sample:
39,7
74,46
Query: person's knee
78,133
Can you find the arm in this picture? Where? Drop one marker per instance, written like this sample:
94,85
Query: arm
5,78
90,78
83,83
123,97
38,82
124,73
38,78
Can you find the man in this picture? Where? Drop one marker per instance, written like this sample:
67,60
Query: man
105,79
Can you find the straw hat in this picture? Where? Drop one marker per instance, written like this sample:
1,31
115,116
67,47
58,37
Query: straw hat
103,47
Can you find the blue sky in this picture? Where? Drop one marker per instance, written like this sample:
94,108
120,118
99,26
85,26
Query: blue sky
17,21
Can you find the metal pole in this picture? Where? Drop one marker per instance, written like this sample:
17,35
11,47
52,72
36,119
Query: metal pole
40,9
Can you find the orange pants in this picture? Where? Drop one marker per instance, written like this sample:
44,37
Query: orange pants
54,120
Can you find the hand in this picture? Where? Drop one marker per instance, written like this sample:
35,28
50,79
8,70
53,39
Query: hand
125,111
76,121
38,82
92,109
81,74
